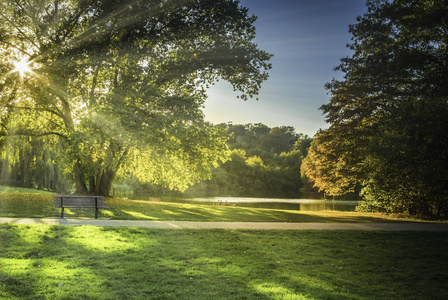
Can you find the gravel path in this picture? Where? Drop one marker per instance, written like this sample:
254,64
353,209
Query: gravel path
399,226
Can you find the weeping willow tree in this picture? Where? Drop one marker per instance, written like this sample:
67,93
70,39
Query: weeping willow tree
32,163
30,160
122,83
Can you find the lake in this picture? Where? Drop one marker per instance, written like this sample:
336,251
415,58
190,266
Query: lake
269,203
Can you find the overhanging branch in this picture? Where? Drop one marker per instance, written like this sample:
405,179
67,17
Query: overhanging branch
37,109
34,134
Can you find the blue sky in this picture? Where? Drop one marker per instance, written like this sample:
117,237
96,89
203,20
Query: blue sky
307,38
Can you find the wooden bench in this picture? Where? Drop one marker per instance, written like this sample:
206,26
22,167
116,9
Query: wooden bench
96,202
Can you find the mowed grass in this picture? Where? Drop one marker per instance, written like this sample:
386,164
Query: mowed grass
11,189
36,205
56,262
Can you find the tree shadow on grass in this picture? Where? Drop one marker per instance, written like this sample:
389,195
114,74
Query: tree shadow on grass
11,287
122,209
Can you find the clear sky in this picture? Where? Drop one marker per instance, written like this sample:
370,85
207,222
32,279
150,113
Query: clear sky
308,38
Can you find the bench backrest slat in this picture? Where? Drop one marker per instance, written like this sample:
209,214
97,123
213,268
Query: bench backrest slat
79,201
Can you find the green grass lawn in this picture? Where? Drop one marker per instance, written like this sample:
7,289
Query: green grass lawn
36,205
55,262
11,189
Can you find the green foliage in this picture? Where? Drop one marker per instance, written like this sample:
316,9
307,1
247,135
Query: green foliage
261,140
334,163
122,83
388,116
53,262
264,162
32,162
303,144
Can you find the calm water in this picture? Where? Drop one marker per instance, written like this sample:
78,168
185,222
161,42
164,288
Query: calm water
269,203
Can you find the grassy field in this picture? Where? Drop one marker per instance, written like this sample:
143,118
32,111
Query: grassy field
10,189
27,204
54,262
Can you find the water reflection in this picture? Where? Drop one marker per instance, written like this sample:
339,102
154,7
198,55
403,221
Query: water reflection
268,203
316,205
286,204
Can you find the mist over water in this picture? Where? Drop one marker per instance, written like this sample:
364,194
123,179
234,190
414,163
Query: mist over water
255,202
286,204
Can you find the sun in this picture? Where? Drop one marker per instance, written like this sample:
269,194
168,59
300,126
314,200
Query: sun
22,67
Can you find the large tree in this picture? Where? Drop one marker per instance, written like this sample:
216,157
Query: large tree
123,82
388,116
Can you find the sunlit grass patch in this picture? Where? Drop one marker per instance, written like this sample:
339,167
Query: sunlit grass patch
135,215
106,241
276,291
107,214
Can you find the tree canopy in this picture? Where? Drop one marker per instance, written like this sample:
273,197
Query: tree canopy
388,116
265,162
121,84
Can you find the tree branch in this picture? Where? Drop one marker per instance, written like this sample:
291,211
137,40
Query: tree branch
94,83
38,109
24,36
15,47
24,133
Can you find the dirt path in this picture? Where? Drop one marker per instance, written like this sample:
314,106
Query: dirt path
405,226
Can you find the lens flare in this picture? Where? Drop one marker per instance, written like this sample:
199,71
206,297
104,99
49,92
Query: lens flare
22,67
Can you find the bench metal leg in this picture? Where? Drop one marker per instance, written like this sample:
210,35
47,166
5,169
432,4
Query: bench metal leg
62,212
96,213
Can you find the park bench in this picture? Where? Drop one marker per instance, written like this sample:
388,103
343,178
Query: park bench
96,202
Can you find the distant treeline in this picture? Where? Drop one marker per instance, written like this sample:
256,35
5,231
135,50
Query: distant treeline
264,161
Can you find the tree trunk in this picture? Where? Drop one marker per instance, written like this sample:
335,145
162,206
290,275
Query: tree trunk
99,184
105,184
81,187
92,185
